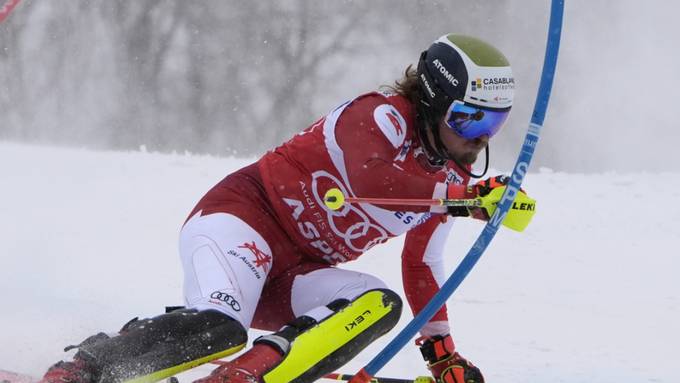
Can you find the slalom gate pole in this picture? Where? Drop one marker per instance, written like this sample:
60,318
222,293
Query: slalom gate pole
489,231
7,8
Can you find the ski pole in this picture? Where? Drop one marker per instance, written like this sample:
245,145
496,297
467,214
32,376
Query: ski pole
522,165
334,199
347,377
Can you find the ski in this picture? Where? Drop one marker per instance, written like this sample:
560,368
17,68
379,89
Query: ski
347,377
15,377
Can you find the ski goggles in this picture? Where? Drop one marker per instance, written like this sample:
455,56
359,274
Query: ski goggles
470,121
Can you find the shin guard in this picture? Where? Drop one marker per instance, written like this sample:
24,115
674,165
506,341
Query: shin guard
312,349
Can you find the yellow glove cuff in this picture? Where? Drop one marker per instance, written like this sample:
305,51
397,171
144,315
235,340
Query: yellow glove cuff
520,214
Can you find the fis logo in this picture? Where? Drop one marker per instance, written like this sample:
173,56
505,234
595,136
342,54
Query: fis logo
355,323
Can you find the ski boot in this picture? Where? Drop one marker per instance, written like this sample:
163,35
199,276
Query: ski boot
77,371
152,349
247,368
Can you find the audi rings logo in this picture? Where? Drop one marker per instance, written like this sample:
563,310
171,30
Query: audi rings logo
360,236
226,298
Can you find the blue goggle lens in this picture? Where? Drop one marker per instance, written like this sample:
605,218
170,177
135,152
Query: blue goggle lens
470,121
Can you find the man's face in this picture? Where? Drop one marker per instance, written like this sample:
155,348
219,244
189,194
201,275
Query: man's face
462,149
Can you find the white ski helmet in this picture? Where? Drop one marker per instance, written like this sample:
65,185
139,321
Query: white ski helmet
464,76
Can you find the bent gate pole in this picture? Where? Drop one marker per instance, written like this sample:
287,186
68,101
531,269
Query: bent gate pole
518,173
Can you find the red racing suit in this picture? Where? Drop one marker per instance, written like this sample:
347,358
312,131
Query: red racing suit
366,147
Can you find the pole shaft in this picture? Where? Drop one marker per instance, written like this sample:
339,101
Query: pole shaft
413,201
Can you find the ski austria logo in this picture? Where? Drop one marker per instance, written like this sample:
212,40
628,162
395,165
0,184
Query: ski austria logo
262,259
391,123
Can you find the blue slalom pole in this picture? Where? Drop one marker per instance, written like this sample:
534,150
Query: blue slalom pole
518,173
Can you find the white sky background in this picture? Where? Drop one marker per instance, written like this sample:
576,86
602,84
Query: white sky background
612,106
617,85
613,100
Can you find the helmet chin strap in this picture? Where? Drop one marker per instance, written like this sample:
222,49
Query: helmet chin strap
469,173
437,154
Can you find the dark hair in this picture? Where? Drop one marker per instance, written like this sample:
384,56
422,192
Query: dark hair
408,86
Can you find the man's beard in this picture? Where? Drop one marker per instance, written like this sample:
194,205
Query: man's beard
467,158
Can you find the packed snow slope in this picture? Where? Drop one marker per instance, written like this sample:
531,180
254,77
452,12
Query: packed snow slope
588,293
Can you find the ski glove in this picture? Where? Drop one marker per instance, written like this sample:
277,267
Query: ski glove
478,190
445,364
488,193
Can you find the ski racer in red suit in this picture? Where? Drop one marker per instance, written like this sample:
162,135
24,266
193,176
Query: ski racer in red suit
260,249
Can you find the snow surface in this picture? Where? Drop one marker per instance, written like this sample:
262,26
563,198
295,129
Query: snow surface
588,293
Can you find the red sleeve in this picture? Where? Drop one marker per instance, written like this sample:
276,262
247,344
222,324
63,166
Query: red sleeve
423,269
370,155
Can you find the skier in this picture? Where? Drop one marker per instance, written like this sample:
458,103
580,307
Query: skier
260,249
